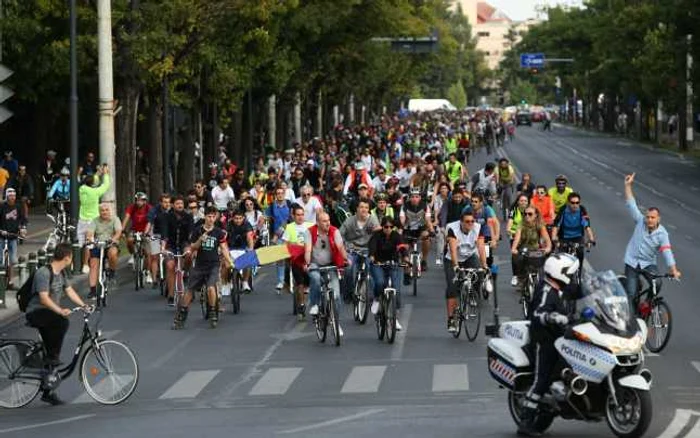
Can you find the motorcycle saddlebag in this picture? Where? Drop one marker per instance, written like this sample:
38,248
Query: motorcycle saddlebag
509,364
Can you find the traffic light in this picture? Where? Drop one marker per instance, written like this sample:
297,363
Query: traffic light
524,101
5,93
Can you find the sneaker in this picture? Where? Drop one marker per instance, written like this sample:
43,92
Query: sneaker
149,278
246,287
51,398
279,286
398,326
375,307
130,262
92,295
171,301
514,281
406,280
438,262
86,269
313,311
225,290
451,327
423,265
340,331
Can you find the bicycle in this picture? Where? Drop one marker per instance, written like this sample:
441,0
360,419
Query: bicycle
468,309
653,309
533,262
385,318
23,373
505,200
104,280
327,311
140,268
236,279
415,259
360,296
61,232
179,286
203,294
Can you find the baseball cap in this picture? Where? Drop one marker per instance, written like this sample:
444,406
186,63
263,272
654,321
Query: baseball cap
362,186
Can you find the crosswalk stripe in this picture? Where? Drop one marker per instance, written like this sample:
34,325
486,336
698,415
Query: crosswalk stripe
364,379
276,381
118,382
190,385
448,378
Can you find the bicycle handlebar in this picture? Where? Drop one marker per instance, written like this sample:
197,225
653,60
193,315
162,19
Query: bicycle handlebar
88,309
172,254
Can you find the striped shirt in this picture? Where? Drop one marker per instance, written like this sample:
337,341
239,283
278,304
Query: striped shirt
644,246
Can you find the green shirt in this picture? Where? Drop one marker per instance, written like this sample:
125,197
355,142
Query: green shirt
90,199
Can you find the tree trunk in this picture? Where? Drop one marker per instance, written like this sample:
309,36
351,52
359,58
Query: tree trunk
125,159
155,149
185,172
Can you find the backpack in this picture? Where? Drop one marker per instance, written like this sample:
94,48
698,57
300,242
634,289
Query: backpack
26,292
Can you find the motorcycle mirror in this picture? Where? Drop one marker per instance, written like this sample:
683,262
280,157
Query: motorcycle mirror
588,313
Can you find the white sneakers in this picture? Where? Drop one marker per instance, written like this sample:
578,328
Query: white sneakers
86,269
398,326
313,311
340,331
131,261
375,307
438,262
514,281
246,287
279,286
149,278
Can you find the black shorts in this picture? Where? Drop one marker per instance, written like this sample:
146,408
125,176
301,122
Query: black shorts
452,289
300,276
414,234
201,276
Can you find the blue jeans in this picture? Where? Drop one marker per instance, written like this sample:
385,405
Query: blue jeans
380,281
315,287
12,248
632,284
348,283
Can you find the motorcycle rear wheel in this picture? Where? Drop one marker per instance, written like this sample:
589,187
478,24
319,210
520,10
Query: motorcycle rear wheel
515,405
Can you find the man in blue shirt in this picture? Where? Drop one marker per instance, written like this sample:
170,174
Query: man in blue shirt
648,240
280,212
572,225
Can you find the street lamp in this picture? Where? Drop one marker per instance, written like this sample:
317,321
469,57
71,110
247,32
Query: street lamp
73,108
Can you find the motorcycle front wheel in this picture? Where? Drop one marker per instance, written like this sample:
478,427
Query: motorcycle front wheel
632,416
515,406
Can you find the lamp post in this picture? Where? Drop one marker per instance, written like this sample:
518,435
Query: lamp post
73,108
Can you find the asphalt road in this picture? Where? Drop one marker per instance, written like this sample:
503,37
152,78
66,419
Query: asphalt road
262,374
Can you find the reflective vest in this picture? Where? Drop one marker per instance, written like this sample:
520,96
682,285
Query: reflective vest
291,231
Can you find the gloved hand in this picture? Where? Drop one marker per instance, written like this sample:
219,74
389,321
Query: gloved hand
557,318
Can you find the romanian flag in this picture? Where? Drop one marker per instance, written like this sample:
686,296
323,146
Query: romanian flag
271,254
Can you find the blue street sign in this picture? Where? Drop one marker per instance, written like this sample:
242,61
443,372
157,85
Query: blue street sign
531,60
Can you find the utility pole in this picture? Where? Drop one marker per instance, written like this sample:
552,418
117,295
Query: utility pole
272,121
106,89
297,117
73,108
690,123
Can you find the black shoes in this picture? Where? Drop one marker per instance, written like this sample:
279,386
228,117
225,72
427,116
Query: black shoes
51,398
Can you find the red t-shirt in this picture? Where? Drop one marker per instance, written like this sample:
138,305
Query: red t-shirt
139,217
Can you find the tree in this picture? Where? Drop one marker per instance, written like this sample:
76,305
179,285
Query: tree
457,95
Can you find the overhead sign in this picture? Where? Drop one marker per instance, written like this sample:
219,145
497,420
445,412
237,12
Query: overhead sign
531,60
5,93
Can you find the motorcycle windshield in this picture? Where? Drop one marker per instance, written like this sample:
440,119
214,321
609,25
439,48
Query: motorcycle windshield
605,295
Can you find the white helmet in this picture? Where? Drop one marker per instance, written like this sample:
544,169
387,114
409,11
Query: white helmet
561,267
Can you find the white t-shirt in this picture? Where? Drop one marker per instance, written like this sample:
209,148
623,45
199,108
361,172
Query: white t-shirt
222,197
309,208
466,243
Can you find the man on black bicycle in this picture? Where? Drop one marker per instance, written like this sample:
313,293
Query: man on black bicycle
207,241
385,246
240,238
572,225
105,228
45,313
176,227
416,224
155,230
464,249
356,232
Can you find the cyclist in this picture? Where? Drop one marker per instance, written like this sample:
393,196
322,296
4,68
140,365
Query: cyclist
515,218
89,199
544,204
155,229
60,190
506,179
357,176
13,221
383,209
137,213
240,238
465,249
488,220
484,181
311,205
222,194
45,313
648,240
203,195
362,193
548,322
280,213
454,169
356,232
572,223
324,247
386,245
208,241
104,228
526,186
560,192
531,234
452,209
176,227
295,232
440,197
416,223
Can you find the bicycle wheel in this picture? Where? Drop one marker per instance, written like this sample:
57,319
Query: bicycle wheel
102,294
379,320
333,320
360,302
472,316
659,324
462,310
321,323
109,372
236,296
414,274
203,302
390,319
137,272
526,298
17,391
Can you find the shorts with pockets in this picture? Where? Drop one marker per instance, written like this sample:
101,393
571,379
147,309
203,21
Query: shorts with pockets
203,276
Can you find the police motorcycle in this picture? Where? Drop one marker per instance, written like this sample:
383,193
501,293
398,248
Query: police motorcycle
600,373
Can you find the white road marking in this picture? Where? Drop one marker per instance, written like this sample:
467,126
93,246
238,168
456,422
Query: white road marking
190,385
113,383
694,189
689,237
448,378
680,420
48,423
364,379
400,341
618,193
696,365
332,422
158,363
276,381
671,226
695,431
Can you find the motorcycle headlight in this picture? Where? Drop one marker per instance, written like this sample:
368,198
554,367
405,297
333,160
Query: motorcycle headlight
626,346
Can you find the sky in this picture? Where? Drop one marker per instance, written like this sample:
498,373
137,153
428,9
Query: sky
524,9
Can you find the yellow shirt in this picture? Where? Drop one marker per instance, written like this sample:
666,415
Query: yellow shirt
559,199
4,176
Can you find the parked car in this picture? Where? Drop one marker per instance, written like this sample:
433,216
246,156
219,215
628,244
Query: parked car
523,118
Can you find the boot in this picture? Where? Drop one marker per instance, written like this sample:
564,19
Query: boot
213,316
527,422
180,318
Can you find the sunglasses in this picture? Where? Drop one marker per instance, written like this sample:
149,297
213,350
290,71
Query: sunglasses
476,201
541,192
387,227
193,207
323,244
469,221
574,202
305,195
529,213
